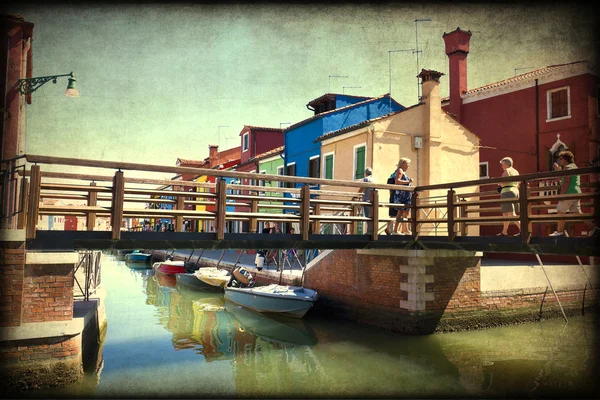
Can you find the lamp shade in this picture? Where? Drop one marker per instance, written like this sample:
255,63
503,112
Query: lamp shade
72,89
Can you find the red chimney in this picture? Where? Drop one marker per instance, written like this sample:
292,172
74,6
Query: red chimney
213,155
457,48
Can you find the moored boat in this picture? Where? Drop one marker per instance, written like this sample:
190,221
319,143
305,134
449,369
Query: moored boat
293,301
191,282
122,253
137,265
169,267
212,276
138,256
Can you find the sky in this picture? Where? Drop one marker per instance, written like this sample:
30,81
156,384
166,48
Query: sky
162,81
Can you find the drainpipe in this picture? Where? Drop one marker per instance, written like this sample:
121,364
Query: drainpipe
537,141
537,127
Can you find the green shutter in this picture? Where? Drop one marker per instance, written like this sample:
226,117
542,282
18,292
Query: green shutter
360,162
329,166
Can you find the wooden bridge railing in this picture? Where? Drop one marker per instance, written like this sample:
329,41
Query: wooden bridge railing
464,206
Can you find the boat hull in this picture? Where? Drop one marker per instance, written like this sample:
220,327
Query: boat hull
139,257
270,303
166,268
190,281
137,265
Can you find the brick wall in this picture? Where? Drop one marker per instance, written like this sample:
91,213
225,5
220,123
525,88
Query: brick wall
41,349
434,291
12,261
40,363
47,293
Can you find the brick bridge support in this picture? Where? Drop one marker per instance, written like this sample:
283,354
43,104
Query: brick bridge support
426,291
40,340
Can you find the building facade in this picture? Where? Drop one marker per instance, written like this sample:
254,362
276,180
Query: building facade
440,149
529,117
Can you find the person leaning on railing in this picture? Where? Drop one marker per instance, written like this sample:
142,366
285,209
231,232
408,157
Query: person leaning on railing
569,185
509,190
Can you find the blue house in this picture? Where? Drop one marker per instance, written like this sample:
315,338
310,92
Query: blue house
302,155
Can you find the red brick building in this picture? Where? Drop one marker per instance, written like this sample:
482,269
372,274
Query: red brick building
530,117
215,160
255,141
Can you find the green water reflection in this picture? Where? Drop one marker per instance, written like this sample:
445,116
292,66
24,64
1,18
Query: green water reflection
164,341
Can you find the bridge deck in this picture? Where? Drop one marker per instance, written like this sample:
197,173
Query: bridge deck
95,240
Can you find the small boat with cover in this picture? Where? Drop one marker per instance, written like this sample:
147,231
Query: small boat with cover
293,301
204,279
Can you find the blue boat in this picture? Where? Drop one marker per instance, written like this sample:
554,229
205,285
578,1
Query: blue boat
293,301
138,256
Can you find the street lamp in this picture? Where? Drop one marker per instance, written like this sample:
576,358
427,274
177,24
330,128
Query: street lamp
30,85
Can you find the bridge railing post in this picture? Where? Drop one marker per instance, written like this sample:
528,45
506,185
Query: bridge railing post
92,201
24,198
525,211
374,223
462,213
317,222
305,211
451,215
221,207
118,194
414,201
34,201
254,209
355,223
180,205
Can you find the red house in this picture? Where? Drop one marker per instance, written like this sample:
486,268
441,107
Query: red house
530,117
255,140
215,160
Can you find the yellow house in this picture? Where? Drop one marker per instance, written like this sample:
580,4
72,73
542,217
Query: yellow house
441,149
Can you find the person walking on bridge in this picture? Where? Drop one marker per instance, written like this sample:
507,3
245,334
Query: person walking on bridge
509,190
399,177
569,185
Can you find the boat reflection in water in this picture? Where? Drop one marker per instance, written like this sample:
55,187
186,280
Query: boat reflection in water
273,328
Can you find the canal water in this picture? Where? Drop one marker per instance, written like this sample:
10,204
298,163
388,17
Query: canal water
166,342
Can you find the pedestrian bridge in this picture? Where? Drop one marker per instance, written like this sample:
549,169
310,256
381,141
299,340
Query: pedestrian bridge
328,211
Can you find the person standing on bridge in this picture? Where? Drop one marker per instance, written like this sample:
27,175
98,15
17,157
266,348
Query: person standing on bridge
400,197
509,190
569,185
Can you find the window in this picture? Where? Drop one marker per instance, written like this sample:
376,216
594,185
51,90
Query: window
558,103
328,166
280,172
484,169
245,141
262,183
313,167
360,152
290,171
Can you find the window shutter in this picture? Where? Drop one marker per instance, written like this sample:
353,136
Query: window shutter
360,163
329,167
